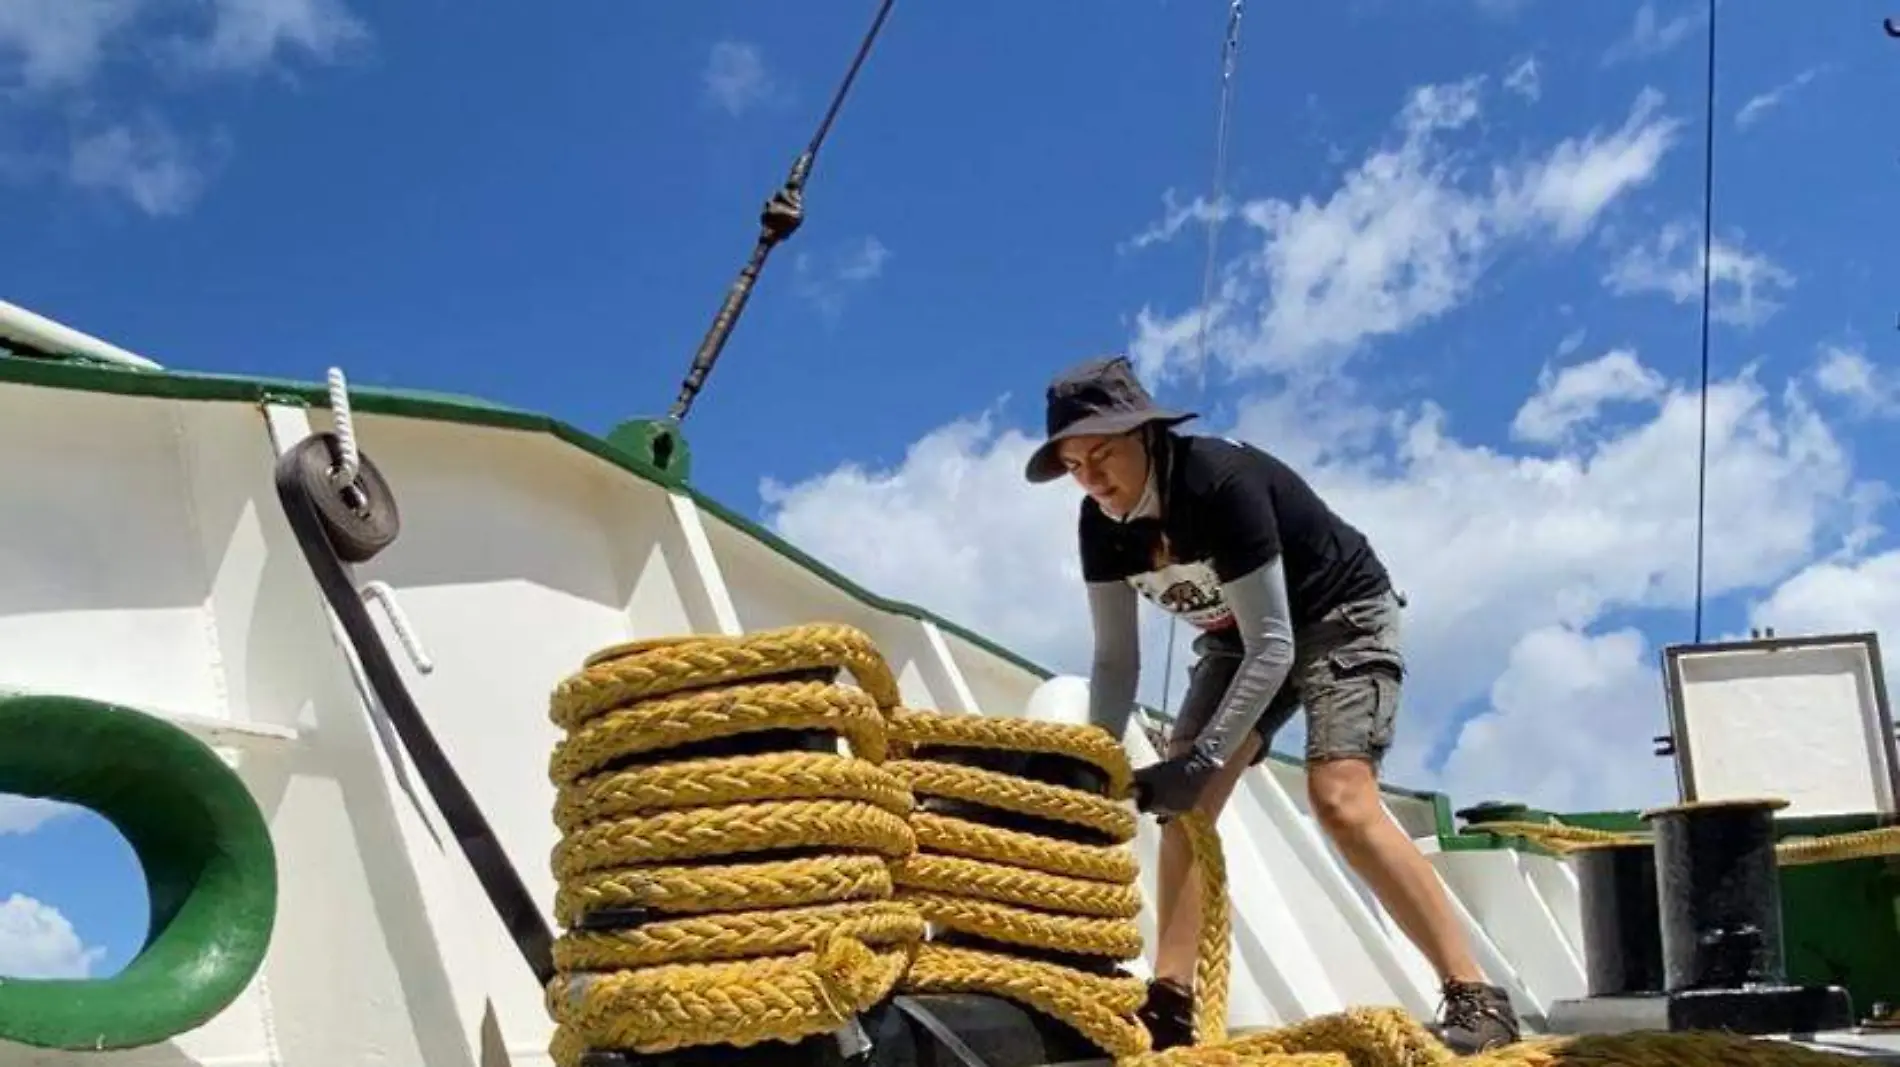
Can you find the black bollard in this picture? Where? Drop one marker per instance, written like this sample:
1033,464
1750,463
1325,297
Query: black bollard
1720,894
1718,922
1622,939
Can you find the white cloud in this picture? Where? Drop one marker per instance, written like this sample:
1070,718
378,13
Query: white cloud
1838,596
1761,103
62,44
36,941
827,280
52,55
1175,215
248,35
23,815
53,44
1576,394
1490,545
1651,35
1569,723
735,77
145,161
1847,373
1525,79
1513,561
1744,286
1401,242
1016,575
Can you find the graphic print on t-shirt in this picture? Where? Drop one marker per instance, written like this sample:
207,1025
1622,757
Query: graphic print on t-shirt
1188,590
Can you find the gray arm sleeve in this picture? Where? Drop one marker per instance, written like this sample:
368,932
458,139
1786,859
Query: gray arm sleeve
1259,603
1116,668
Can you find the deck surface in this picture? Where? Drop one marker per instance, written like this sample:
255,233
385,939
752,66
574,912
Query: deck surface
1880,1046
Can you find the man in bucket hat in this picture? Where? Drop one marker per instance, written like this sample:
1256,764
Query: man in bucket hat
1294,610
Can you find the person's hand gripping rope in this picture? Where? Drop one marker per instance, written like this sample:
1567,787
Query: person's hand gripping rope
1173,786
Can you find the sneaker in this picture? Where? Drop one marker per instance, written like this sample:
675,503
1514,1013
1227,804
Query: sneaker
1168,1014
1475,1017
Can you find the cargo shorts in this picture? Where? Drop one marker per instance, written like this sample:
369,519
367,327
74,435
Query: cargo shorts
1347,673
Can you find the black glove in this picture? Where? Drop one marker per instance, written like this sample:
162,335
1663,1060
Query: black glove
1172,786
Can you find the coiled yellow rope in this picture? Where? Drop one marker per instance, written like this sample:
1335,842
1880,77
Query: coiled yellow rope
1024,890
743,944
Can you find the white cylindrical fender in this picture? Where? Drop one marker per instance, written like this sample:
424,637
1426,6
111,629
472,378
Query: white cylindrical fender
1064,699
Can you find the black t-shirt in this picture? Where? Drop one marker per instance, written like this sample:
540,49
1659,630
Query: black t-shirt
1228,508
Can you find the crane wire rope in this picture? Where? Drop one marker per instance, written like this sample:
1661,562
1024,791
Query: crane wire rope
781,217
1708,219
1216,212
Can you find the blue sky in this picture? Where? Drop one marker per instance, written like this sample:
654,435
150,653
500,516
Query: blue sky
1459,285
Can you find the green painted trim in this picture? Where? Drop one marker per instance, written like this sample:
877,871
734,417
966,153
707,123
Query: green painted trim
210,870
1442,815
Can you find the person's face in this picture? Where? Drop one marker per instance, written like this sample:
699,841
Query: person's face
1111,468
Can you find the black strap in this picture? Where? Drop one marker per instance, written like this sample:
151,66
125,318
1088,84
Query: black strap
927,1019
298,491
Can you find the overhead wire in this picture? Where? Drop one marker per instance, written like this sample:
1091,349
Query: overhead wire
1216,213
1708,242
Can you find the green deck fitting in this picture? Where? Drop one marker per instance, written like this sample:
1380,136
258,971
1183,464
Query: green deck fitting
210,871
655,443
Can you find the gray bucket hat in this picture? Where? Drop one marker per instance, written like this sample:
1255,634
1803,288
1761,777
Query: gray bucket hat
1096,396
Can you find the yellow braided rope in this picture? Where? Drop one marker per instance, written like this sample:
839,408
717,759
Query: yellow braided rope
746,948
1017,885
1212,964
665,722
1792,852
1103,863
1024,890
746,945
1101,814
725,887
911,728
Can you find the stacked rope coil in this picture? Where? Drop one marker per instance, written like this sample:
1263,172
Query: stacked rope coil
723,871
1042,911
725,879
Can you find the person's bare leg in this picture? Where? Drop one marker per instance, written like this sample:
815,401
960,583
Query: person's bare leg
1344,794
1178,891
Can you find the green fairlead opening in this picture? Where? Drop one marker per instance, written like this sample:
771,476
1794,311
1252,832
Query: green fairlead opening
210,870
